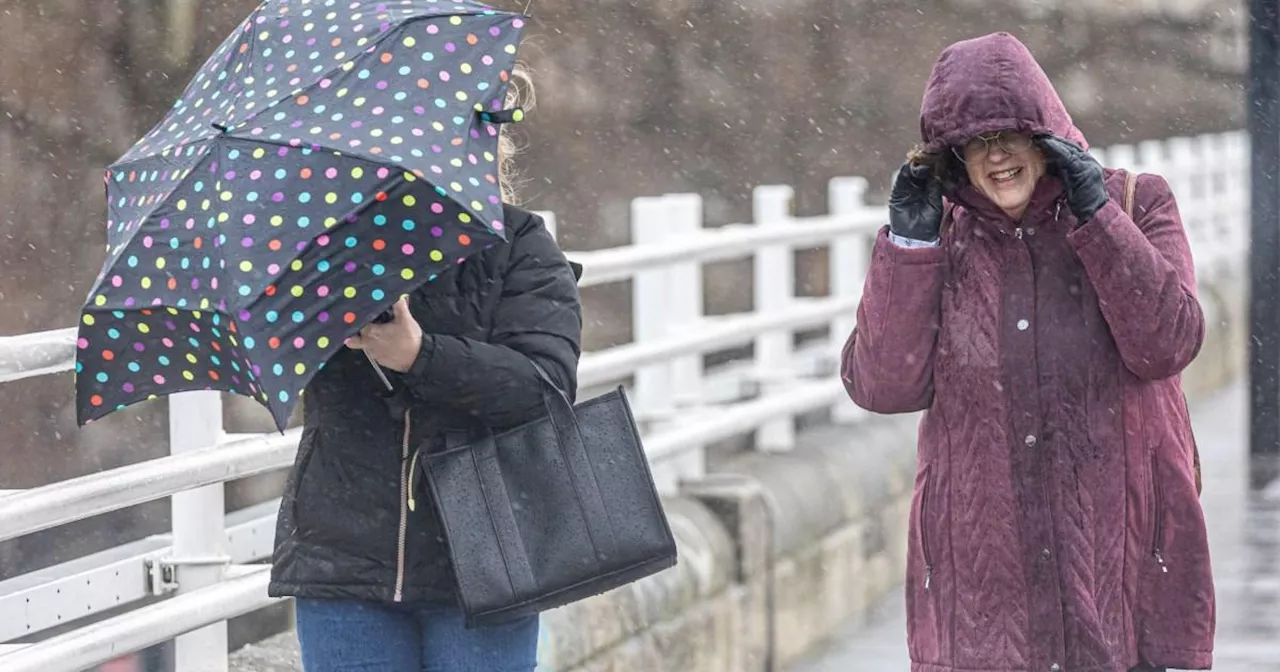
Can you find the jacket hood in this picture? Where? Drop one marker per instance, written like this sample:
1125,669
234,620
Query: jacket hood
987,84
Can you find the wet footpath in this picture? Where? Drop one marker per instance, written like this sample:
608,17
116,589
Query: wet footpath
1244,531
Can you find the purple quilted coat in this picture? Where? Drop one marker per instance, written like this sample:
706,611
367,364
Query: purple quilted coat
1055,525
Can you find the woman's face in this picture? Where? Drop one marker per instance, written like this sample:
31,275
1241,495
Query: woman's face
1005,168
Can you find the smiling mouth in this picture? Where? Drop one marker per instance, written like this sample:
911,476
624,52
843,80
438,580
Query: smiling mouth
1005,175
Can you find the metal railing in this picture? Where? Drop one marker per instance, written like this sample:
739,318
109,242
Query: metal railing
204,570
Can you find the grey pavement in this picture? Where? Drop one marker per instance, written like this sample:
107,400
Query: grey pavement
1244,533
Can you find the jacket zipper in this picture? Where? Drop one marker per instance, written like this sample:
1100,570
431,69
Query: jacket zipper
413,468
404,511
1157,497
924,537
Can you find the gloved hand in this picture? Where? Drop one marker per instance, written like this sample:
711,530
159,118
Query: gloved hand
915,203
1080,172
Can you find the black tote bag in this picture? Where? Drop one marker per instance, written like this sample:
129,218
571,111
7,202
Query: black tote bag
550,512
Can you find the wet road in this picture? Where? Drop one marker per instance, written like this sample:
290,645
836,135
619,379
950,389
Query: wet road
1244,530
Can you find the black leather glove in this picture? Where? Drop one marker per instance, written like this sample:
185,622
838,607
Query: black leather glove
1080,172
915,204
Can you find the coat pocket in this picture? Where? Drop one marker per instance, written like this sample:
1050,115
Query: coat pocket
922,525
925,638
295,497
1157,514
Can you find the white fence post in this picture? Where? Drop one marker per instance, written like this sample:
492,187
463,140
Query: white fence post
684,295
199,528
847,263
649,312
774,290
684,311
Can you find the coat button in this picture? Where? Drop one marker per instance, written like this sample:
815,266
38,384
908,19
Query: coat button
1030,440
1055,668
1044,553
1023,325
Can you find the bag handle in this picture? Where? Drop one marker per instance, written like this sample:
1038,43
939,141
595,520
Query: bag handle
573,449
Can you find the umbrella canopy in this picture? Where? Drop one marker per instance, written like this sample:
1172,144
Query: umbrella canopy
329,157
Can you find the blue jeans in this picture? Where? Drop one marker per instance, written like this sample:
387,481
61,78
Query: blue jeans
358,636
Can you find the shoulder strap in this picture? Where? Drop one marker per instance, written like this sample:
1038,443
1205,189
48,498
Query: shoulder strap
1130,186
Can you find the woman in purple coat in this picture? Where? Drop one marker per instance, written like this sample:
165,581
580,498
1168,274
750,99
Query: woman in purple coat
1056,524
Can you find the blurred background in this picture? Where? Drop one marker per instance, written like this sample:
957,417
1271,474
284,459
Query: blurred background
634,98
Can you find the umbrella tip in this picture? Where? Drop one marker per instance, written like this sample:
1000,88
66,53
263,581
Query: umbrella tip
220,127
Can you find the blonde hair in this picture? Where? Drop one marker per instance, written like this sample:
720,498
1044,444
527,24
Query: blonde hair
520,93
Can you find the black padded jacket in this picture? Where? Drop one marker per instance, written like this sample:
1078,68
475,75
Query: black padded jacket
345,528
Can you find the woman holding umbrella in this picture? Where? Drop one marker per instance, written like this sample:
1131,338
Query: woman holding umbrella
370,573
320,165
1039,308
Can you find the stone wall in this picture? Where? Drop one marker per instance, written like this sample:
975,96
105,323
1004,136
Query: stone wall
824,525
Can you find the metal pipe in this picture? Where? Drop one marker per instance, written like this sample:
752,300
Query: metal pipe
1264,247
138,629
87,496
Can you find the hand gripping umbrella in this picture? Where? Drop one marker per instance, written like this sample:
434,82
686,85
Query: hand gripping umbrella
329,157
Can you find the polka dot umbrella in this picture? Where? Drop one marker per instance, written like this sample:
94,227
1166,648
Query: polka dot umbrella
330,156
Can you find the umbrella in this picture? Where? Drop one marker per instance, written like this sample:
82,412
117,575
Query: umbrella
329,157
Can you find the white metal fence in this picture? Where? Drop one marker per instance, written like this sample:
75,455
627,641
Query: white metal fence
205,568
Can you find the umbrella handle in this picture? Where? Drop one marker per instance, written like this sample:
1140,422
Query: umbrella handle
378,370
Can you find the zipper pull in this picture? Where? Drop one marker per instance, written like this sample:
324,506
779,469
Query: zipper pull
413,500
1017,233
1160,560
928,577
1057,210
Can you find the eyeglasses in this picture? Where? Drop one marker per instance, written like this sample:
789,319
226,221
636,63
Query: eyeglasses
1010,142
